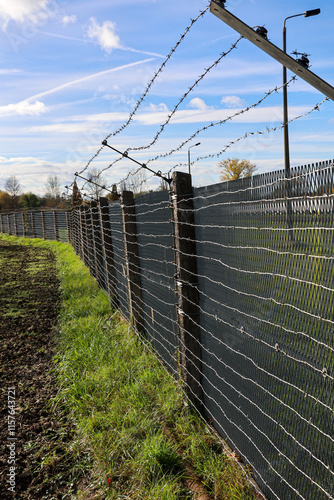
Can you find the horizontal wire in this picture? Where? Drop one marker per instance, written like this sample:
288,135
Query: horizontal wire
148,87
250,134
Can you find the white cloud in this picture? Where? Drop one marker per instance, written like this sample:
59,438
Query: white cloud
158,107
24,108
232,101
104,34
69,19
10,71
199,104
21,11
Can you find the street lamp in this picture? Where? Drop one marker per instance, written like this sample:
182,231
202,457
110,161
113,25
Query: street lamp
189,154
308,13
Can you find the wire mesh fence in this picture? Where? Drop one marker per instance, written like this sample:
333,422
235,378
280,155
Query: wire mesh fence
233,287
46,224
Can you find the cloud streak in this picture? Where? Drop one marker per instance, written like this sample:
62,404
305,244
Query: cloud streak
73,83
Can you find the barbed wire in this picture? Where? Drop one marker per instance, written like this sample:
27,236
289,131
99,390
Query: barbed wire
221,122
250,134
148,87
177,105
229,145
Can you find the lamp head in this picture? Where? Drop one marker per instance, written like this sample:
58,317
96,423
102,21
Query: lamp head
313,12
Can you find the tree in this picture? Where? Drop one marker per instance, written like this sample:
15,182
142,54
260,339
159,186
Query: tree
52,190
5,201
95,186
233,169
30,200
76,196
113,196
13,188
135,182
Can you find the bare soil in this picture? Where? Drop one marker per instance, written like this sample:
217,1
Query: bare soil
33,436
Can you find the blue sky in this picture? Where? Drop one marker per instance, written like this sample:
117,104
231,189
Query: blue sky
72,71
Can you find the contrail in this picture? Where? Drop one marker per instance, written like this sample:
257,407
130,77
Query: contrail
85,78
82,40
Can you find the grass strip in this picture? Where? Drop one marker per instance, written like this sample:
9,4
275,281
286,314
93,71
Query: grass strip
129,415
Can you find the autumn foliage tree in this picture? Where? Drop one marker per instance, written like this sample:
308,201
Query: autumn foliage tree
233,169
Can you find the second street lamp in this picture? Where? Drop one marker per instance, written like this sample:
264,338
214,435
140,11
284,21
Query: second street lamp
308,13
189,154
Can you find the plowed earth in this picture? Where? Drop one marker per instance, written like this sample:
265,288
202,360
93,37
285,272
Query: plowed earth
33,437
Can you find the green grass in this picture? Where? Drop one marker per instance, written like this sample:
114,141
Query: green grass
130,416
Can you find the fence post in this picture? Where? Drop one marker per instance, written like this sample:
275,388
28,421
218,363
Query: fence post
68,225
55,224
90,247
1,225
82,225
99,261
132,260
15,224
23,224
186,286
8,224
33,225
43,224
108,251
76,230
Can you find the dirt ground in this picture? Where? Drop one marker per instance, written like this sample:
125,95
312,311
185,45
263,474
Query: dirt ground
33,438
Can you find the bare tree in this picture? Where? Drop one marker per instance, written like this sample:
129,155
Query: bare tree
136,182
13,186
95,187
52,187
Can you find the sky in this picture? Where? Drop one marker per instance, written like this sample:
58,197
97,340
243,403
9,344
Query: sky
72,72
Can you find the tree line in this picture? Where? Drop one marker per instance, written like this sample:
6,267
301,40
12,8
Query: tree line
12,196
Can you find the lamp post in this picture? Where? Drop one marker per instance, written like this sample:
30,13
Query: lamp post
308,13
189,155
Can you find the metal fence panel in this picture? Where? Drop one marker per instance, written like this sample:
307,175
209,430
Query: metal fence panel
266,295
156,257
116,225
62,226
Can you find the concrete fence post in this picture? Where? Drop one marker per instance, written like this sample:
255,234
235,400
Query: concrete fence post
97,240
43,225
90,242
108,252
15,224
82,231
132,260
33,225
68,226
55,224
186,287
